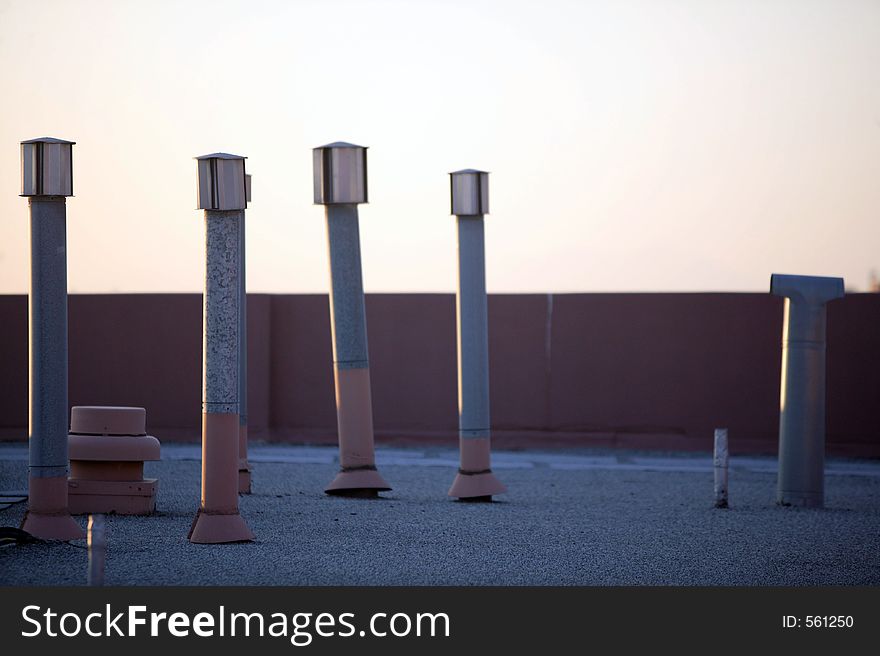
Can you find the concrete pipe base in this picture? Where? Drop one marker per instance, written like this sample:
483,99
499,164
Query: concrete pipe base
47,517
358,483
481,486
219,529
244,468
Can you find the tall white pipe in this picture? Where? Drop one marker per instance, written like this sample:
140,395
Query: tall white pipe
47,178
470,201
802,395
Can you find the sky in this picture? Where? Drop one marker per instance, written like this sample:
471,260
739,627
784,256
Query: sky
634,145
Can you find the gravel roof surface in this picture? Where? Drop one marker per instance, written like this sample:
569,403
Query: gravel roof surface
569,518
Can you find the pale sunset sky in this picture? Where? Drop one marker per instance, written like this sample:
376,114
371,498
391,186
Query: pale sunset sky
634,145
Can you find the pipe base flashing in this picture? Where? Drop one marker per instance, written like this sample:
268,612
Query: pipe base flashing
469,486
58,526
47,516
354,482
219,529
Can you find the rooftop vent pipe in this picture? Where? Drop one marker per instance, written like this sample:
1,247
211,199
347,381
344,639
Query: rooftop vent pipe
340,174
802,396
222,195
46,179
470,201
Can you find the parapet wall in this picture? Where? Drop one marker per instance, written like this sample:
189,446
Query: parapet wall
642,370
